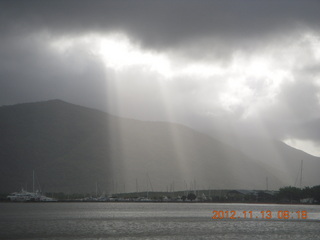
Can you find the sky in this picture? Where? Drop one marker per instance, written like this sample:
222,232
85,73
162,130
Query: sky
228,68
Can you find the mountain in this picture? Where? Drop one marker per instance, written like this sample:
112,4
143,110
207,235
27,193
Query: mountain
73,148
285,160
51,138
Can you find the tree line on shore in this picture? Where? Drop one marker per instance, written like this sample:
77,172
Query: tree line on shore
297,194
286,194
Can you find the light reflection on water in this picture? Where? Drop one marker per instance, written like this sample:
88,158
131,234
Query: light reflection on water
152,221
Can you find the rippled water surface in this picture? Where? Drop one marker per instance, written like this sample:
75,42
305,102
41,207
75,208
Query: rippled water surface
155,221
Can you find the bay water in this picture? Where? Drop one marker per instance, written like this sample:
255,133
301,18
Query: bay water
119,220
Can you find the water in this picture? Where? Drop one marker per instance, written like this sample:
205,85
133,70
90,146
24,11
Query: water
154,221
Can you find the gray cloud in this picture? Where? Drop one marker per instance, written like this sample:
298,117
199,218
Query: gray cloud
210,31
166,24
30,71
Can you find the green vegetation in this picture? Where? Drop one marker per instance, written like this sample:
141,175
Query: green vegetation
191,196
294,194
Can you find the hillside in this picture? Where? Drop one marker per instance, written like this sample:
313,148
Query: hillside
73,148
285,160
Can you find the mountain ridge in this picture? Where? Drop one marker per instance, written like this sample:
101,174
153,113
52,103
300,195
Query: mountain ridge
72,148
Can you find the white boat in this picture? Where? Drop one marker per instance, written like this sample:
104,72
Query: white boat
25,196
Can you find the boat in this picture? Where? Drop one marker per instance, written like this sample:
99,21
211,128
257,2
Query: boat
25,196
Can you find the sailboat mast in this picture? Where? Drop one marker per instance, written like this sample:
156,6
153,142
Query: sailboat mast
267,183
137,188
301,174
33,181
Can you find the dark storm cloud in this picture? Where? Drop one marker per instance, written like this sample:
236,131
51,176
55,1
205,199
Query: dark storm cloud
30,70
303,107
165,24
191,29
296,105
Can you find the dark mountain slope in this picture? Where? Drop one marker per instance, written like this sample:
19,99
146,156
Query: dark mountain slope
42,136
285,160
72,148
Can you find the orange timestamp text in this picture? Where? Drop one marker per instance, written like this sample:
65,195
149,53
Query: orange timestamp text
220,214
